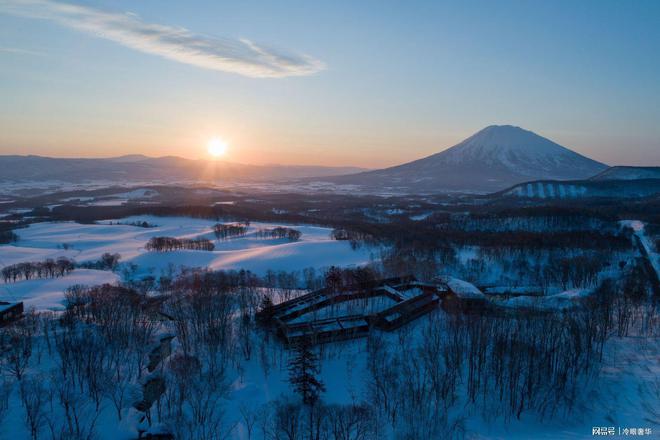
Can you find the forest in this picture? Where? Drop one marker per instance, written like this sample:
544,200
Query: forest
103,347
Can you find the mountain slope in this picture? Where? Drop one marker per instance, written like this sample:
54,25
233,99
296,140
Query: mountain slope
490,160
581,189
628,173
142,168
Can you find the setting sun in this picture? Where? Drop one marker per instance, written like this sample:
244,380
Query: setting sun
217,147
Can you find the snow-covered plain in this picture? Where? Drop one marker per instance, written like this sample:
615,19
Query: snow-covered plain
88,242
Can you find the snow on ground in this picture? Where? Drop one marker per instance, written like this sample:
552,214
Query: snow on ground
638,228
463,289
88,242
108,202
420,217
119,199
560,301
517,290
141,193
552,190
624,394
48,293
16,254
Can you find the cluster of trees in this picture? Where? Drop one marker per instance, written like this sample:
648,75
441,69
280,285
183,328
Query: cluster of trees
165,244
8,236
565,263
282,283
225,232
39,269
537,240
424,263
98,347
107,261
538,219
356,237
626,306
7,227
292,420
143,224
212,316
508,365
350,278
578,271
280,232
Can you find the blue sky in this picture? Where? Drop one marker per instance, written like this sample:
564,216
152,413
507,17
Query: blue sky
351,83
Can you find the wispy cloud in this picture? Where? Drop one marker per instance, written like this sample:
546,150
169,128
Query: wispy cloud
239,56
18,51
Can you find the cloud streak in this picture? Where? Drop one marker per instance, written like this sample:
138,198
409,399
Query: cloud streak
16,50
240,56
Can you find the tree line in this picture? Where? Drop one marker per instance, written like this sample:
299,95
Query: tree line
107,261
279,232
8,236
49,268
227,231
165,244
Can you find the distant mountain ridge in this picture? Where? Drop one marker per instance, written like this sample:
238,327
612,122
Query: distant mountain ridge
159,169
492,159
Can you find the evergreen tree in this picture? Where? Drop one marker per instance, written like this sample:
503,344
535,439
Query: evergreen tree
303,368
266,309
333,278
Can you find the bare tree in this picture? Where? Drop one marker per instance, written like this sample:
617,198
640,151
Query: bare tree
249,418
33,397
6,388
19,343
79,414
351,422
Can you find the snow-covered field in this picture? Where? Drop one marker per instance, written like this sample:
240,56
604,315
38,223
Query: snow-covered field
88,242
47,293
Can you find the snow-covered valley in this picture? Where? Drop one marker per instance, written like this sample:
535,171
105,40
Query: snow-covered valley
88,242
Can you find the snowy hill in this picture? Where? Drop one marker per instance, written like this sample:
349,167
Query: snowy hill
628,173
490,160
579,189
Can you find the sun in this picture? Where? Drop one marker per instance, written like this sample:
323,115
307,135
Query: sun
217,147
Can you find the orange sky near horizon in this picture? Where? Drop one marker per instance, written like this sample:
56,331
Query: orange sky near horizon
331,83
249,147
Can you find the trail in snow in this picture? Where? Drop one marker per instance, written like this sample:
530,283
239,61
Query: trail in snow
647,248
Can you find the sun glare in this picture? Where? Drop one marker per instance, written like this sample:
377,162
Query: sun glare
217,147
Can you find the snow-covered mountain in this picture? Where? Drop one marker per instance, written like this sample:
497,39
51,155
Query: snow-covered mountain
492,159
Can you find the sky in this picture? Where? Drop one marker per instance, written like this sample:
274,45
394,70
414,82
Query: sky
367,83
